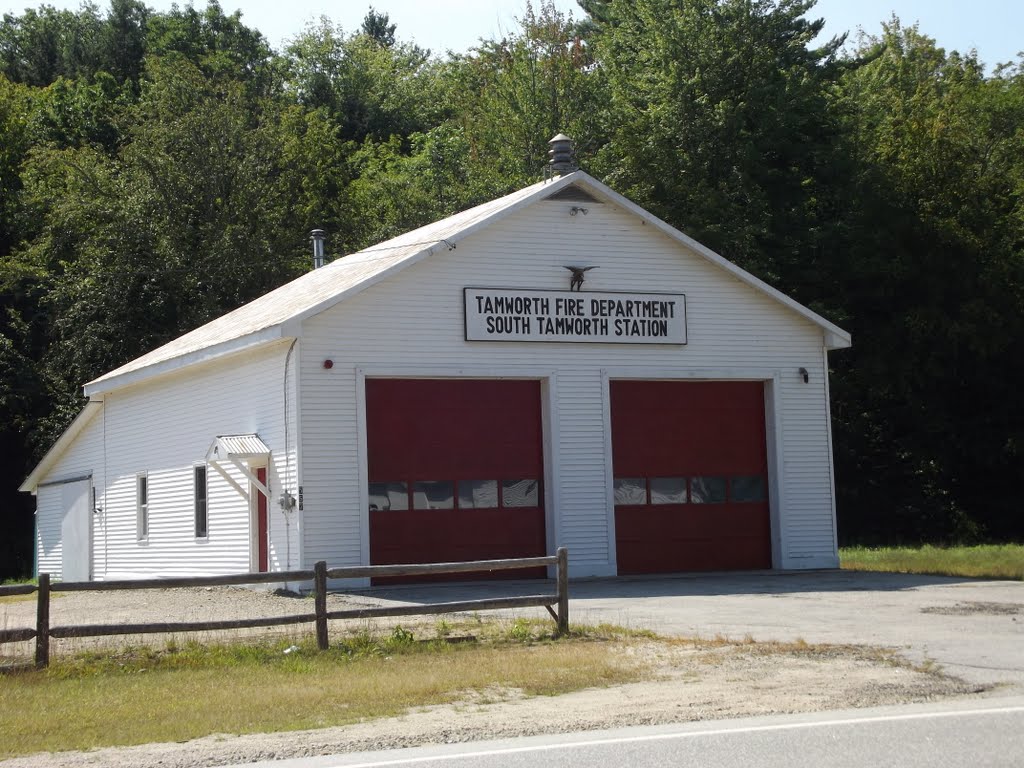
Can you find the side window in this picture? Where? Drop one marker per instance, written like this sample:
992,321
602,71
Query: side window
199,486
142,507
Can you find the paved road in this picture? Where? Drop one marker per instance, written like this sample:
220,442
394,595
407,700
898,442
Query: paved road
973,628
980,733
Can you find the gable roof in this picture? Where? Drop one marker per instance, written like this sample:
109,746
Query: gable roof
279,313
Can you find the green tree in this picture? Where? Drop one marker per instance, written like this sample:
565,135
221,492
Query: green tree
372,90
929,430
219,44
721,124
15,140
512,96
395,189
124,39
377,26
70,113
198,212
41,45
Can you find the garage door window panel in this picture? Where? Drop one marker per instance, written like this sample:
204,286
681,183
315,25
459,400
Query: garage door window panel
748,490
668,490
520,493
630,491
478,494
707,490
433,494
389,496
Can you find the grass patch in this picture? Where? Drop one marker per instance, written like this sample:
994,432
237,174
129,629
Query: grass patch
18,598
994,561
16,583
187,691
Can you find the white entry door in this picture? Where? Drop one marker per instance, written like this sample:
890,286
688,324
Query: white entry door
76,532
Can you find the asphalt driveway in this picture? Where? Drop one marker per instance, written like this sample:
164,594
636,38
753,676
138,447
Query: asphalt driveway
972,628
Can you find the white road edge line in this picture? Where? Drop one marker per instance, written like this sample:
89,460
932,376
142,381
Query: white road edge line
685,735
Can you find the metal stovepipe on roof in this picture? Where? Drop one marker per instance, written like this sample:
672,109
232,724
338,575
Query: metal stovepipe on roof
319,237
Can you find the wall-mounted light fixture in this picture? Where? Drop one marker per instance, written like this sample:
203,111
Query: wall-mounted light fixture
804,375
577,209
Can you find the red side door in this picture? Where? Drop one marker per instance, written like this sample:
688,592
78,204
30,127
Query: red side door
262,534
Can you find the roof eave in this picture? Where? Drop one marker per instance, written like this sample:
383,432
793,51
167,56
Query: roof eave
835,337
114,381
80,422
448,243
838,340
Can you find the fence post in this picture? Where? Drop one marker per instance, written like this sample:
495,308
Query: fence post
563,590
320,603
43,622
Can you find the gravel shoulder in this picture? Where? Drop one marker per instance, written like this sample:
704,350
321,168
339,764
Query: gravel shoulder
702,681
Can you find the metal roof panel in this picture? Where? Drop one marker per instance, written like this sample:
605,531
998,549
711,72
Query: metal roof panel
237,447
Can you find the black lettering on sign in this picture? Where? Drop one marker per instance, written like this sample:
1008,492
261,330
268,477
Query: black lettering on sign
507,324
515,315
512,305
641,327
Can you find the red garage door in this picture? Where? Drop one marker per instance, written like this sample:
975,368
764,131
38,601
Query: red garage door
455,468
691,476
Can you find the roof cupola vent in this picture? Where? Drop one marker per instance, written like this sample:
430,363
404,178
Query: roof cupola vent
563,156
318,236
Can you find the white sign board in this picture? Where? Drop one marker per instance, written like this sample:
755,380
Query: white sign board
502,314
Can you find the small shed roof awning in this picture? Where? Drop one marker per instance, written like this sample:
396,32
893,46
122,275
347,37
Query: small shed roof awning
238,449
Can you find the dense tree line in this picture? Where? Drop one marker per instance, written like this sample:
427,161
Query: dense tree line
159,169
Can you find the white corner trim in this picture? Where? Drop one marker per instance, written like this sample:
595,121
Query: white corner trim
550,436
831,458
363,466
609,471
775,447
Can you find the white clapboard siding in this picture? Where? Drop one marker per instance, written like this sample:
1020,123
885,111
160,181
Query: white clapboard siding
49,515
50,502
164,428
412,324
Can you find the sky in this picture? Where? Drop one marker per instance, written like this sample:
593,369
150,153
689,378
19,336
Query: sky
995,28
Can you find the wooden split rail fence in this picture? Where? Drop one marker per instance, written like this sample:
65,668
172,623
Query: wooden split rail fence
557,604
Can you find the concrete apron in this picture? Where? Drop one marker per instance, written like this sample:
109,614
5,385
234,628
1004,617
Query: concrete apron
973,629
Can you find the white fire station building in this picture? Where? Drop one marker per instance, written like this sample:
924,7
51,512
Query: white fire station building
557,367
